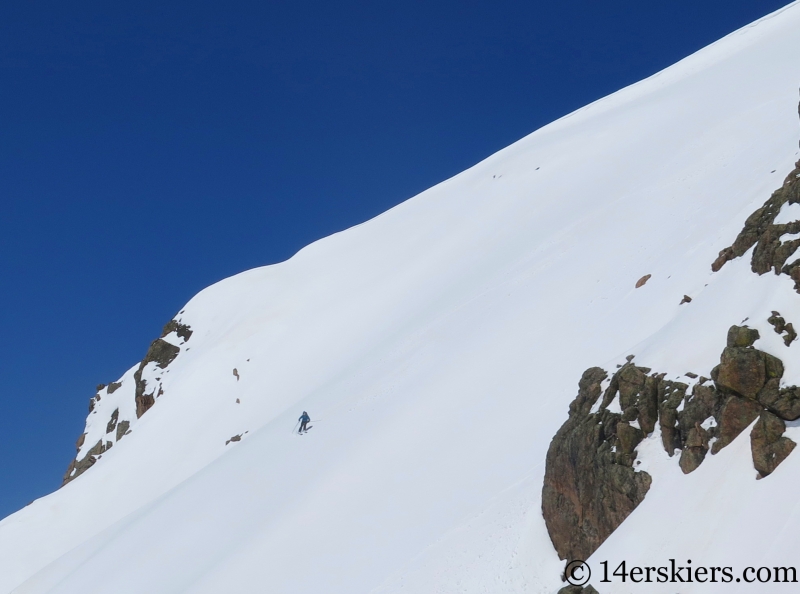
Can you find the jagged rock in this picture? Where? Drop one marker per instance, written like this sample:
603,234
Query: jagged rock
236,373
704,403
182,330
742,336
670,396
686,299
627,439
773,366
112,423
760,231
122,429
78,467
691,458
781,327
99,387
741,370
643,280
734,417
162,354
647,405
777,322
588,391
234,438
784,402
144,402
695,449
791,335
630,381
767,443
586,492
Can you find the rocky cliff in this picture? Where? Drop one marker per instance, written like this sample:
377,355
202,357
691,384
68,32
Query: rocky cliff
591,481
116,407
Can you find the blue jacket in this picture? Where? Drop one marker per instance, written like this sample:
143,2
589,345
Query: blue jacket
304,418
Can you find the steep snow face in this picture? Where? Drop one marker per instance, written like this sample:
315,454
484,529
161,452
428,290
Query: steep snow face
437,348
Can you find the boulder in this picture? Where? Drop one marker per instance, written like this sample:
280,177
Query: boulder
767,443
734,417
647,405
112,423
695,449
741,370
742,336
631,380
587,493
122,429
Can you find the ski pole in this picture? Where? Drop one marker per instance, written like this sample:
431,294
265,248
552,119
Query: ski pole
295,425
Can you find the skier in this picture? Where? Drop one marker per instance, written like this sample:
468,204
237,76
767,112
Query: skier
303,421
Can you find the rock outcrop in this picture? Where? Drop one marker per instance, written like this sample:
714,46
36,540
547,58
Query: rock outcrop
161,353
591,483
782,328
768,446
761,231
142,390
590,486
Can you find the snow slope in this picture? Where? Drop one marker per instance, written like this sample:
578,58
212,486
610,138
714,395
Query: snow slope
439,346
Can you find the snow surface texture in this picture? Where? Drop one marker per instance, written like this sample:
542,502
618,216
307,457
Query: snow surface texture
439,346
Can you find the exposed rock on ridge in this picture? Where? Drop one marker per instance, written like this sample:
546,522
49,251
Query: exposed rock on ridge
761,231
145,389
591,485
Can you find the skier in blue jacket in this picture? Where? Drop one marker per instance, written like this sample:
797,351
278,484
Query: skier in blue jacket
304,419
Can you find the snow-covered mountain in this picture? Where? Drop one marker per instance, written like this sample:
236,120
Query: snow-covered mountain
438,348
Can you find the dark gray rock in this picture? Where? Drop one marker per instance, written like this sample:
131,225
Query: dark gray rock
112,423
761,231
742,336
694,450
587,493
768,445
734,417
784,402
182,330
742,371
78,467
122,429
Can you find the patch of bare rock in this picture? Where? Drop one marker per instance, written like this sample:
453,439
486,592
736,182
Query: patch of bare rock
162,353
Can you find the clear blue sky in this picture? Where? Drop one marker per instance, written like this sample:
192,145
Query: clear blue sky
149,149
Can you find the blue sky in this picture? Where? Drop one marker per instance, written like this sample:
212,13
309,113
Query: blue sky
149,149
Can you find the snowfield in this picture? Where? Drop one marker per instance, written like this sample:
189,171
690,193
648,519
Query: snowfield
437,348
